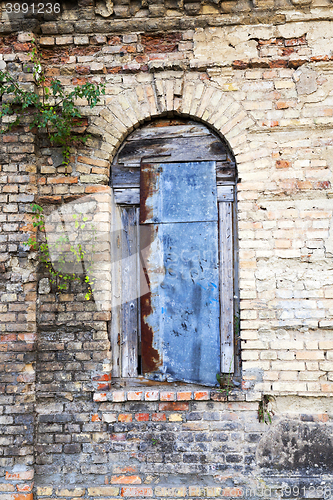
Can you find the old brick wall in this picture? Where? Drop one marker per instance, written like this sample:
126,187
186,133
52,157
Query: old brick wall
261,76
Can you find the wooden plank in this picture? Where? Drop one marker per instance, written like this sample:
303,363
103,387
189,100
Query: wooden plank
185,130
226,287
125,176
127,196
225,193
116,279
225,172
208,148
129,292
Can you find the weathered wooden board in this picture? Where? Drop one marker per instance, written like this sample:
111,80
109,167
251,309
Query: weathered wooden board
171,131
225,172
226,286
129,292
225,193
116,280
206,148
127,196
122,176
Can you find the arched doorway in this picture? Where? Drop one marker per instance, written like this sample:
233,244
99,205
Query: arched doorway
173,184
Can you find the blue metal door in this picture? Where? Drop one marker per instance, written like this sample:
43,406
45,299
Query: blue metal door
180,333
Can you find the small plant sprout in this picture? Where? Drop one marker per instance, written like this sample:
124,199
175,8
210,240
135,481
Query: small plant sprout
265,412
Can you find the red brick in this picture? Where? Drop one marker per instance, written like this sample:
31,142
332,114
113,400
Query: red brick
126,469
10,337
136,492
151,396
271,41
282,164
22,496
99,397
158,417
156,43
115,69
184,396
240,64
322,185
10,138
295,41
284,104
79,81
96,189
302,185
201,395
118,437
177,406
125,417
93,161
327,386
102,378
134,395
270,123
288,51
167,396
26,475
129,48
323,417
232,492
142,417
82,70
62,180
114,40
278,63
24,487
22,47
125,480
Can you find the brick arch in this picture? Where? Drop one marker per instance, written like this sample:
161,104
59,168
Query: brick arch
200,100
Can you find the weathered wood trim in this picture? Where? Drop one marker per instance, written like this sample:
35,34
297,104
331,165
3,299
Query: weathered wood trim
125,177
226,286
129,292
116,280
127,196
204,148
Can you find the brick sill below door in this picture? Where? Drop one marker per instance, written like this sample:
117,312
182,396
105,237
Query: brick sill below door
141,389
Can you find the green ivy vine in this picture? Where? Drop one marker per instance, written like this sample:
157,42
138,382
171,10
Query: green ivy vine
51,108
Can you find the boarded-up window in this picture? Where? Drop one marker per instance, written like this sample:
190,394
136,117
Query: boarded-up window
174,279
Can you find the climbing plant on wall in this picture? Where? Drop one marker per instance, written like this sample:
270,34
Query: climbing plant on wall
52,109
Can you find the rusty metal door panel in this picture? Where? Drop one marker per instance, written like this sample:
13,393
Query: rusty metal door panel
178,192
180,316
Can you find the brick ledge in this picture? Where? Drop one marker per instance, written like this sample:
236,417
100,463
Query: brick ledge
118,396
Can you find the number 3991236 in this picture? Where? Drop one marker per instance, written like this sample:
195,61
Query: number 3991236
34,8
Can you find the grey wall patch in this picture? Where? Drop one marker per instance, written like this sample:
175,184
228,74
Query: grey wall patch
305,79
296,445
